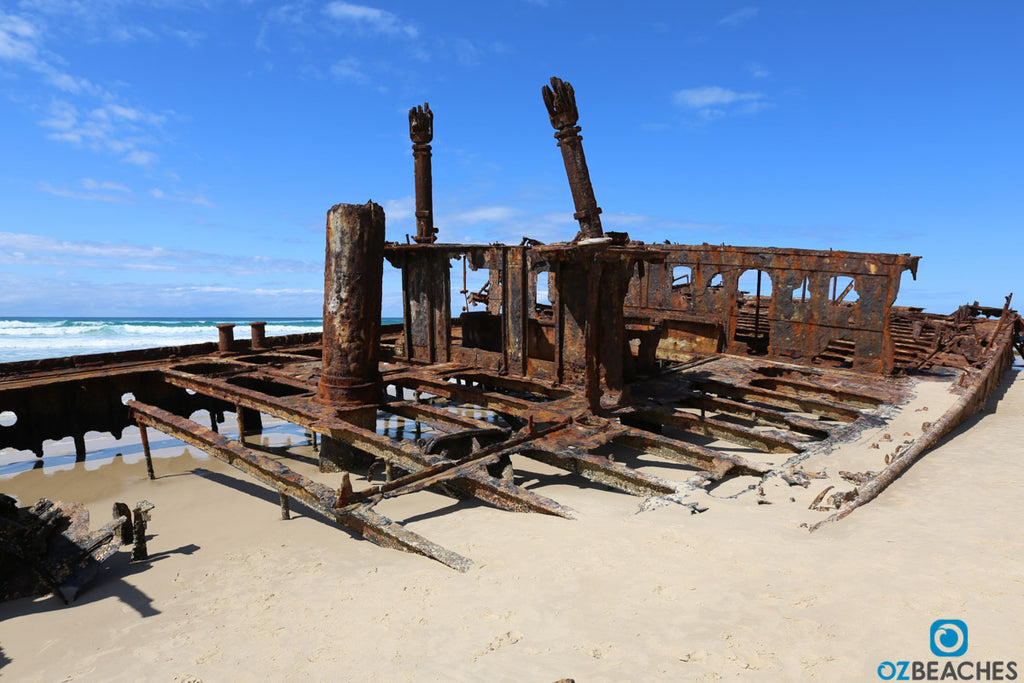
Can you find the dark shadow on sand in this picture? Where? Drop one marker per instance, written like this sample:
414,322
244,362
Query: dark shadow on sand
109,582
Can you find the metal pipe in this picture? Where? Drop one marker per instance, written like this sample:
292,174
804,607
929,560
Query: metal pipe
421,132
560,100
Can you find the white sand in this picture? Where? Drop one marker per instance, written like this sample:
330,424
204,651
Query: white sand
234,593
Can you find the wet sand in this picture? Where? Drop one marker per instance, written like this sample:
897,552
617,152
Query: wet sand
235,593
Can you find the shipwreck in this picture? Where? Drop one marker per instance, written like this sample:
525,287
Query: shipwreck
639,348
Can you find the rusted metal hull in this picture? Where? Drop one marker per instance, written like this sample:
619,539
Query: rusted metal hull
643,353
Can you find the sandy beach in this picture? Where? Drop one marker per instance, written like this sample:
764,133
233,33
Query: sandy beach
232,592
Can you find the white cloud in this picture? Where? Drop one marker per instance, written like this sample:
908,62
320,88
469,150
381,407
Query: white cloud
130,34
370,19
38,250
181,196
739,16
90,184
90,195
349,69
140,157
697,98
94,118
400,209
18,39
189,38
63,295
712,102
758,71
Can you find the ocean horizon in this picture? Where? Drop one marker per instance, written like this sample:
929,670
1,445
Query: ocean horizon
33,338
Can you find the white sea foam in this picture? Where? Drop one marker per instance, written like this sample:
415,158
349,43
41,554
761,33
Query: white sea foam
27,338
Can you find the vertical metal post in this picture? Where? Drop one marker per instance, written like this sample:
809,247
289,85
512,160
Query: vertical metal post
421,131
757,308
353,271
225,337
259,335
286,512
145,450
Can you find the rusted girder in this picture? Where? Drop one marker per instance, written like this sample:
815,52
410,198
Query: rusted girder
320,497
716,429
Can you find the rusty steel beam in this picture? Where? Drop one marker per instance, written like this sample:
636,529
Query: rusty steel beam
698,457
320,497
306,413
828,409
542,412
716,429
438,417
475,482
755,414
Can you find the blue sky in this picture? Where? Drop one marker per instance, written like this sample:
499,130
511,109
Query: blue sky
178,157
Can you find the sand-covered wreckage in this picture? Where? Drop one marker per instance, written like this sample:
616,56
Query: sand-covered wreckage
642,353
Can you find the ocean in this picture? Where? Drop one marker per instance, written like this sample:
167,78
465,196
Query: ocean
30,338
24,338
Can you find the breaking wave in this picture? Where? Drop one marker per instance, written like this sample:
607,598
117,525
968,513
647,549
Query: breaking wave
26,338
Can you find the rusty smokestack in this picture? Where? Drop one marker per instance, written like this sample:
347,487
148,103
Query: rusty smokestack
421,132
560,100
353,270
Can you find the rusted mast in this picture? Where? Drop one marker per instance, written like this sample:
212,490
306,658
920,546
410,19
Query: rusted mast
560,100
590,277
353,272
421,131
426,276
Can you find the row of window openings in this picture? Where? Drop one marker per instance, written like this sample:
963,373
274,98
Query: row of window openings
841,287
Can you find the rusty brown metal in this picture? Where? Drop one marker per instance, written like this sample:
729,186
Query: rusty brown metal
258,341
642,353
352,302
560,100
226,339
48,547
421,132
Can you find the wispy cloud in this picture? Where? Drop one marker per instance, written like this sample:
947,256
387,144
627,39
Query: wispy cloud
38,250
21,42
91,191
61,296
90,184
18,39
97,120
349,69
740,16
140,157
181,196
758,71
712,102
110,127
370,19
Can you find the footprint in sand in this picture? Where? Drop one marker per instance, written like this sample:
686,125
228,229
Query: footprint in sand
509,638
